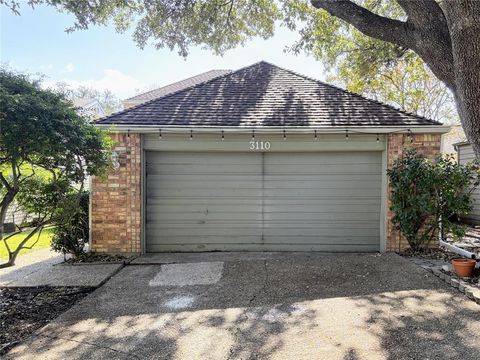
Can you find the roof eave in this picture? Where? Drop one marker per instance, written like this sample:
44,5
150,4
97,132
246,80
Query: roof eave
431,129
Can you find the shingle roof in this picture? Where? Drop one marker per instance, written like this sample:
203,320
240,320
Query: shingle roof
179,85
264,95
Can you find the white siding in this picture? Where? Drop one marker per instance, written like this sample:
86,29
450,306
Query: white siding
465,155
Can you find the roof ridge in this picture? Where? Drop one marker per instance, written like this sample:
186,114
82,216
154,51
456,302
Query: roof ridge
435,122
178,91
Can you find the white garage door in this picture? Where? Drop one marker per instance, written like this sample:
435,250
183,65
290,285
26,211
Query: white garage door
263,201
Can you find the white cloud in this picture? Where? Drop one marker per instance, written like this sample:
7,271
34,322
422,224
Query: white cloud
116,81
68,68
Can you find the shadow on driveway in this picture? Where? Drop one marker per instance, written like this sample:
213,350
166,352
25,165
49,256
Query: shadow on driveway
303,307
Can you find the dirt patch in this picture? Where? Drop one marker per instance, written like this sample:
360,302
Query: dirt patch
24,310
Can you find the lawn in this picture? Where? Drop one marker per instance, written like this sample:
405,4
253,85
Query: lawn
44,242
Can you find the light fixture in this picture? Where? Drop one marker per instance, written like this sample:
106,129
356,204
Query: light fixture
253,134
128,133
191,134
378,138
160,133
346,134
284,135
410,136
223,136
316,137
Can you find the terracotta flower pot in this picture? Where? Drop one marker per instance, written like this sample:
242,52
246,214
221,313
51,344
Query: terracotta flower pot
464,267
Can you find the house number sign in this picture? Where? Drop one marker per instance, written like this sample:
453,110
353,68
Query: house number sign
260,145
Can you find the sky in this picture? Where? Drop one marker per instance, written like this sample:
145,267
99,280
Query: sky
101,58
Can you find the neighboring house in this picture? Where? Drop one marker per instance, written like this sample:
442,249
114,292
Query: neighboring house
466,154
454,136
165,90
90,108
259,159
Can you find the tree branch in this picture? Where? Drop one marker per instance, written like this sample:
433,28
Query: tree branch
420,11
425,32
370,24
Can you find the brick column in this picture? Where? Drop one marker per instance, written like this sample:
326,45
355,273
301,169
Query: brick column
426,144
116,200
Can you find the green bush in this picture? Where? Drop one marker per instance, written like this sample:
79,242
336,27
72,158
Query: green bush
428,193
72,233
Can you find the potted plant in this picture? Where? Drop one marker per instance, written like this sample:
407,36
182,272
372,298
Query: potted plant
464,267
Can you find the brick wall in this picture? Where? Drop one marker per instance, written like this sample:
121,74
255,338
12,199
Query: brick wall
427,144
116,200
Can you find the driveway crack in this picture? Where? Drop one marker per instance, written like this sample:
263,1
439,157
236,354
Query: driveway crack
265,283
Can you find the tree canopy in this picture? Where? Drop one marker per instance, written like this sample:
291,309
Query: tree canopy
362,39
47,151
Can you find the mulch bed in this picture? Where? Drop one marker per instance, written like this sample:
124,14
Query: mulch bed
24,310
94,257
431,254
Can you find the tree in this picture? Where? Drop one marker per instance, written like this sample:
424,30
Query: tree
407,84
47,151
364,65
444,34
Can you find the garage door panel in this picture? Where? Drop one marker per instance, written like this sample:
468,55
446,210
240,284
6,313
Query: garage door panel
319,169
206,193
207,208
319,184
320,240
322,177
325,200
200,240
325,158
308,193
313,208
263,202
217,231
203,200
181,181
315,216
202,217
239,246
345,232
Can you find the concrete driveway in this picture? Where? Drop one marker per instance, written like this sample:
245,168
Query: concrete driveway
265,306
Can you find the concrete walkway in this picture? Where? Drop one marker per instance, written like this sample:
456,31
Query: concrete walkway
270,306
44,267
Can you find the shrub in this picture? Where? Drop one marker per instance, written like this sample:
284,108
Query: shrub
428,193
72,233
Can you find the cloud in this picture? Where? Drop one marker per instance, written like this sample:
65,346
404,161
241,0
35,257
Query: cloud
69,68
119,83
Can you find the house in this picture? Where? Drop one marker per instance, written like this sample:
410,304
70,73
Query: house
465,154
450,139
257,159
171,88
89,108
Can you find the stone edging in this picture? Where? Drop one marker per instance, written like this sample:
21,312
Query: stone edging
472,292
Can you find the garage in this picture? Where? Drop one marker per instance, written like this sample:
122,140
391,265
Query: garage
257,159
223,201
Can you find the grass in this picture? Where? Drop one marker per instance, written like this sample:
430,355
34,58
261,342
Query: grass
44,242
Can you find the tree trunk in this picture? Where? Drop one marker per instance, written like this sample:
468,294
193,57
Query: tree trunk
463,19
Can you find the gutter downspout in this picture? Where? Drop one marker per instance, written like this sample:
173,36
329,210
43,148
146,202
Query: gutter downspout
453,248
